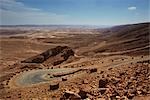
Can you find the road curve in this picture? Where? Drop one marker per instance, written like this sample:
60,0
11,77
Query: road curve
39,76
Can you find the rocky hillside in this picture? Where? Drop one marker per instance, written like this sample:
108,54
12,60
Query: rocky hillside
134,37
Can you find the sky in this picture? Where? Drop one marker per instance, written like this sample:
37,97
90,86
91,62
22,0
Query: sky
73,12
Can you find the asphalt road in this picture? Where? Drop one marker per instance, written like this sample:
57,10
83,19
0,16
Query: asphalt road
39,76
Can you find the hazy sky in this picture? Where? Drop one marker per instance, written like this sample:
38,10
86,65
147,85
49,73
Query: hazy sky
91,12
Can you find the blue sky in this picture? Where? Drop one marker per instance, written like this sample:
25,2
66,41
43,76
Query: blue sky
82,12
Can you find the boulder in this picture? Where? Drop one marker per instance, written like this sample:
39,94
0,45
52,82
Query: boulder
64,79
54,86
83,94
69,95
93,70
103,83
102,90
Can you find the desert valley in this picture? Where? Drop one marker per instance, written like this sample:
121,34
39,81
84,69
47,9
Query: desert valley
75,62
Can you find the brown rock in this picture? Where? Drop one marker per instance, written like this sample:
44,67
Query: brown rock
101,72
83,94
85,81
93,70
122,73
110,69
139,92
103,83
64,79
54,86
115,80
70,95
118,97
102,90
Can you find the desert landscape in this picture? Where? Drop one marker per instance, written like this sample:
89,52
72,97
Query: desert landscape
69,62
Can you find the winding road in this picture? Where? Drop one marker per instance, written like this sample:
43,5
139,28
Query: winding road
33,77
40,76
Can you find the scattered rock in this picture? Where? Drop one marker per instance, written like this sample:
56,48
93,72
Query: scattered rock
139,92
117,97
64,79
103,83
70,96
93,70
122,73
141,56
115,80
142,97
102,90
101,72
85,81
110,69
101,99
54,86
83,94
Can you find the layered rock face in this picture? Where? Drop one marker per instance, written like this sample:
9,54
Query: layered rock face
61,53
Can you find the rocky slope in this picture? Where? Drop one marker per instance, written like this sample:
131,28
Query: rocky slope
122,38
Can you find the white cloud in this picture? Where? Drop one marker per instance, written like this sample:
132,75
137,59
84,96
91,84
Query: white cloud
14,12
132,8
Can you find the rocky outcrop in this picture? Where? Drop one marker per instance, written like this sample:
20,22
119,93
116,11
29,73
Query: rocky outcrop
62,53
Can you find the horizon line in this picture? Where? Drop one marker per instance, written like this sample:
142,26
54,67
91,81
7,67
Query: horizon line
72,24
